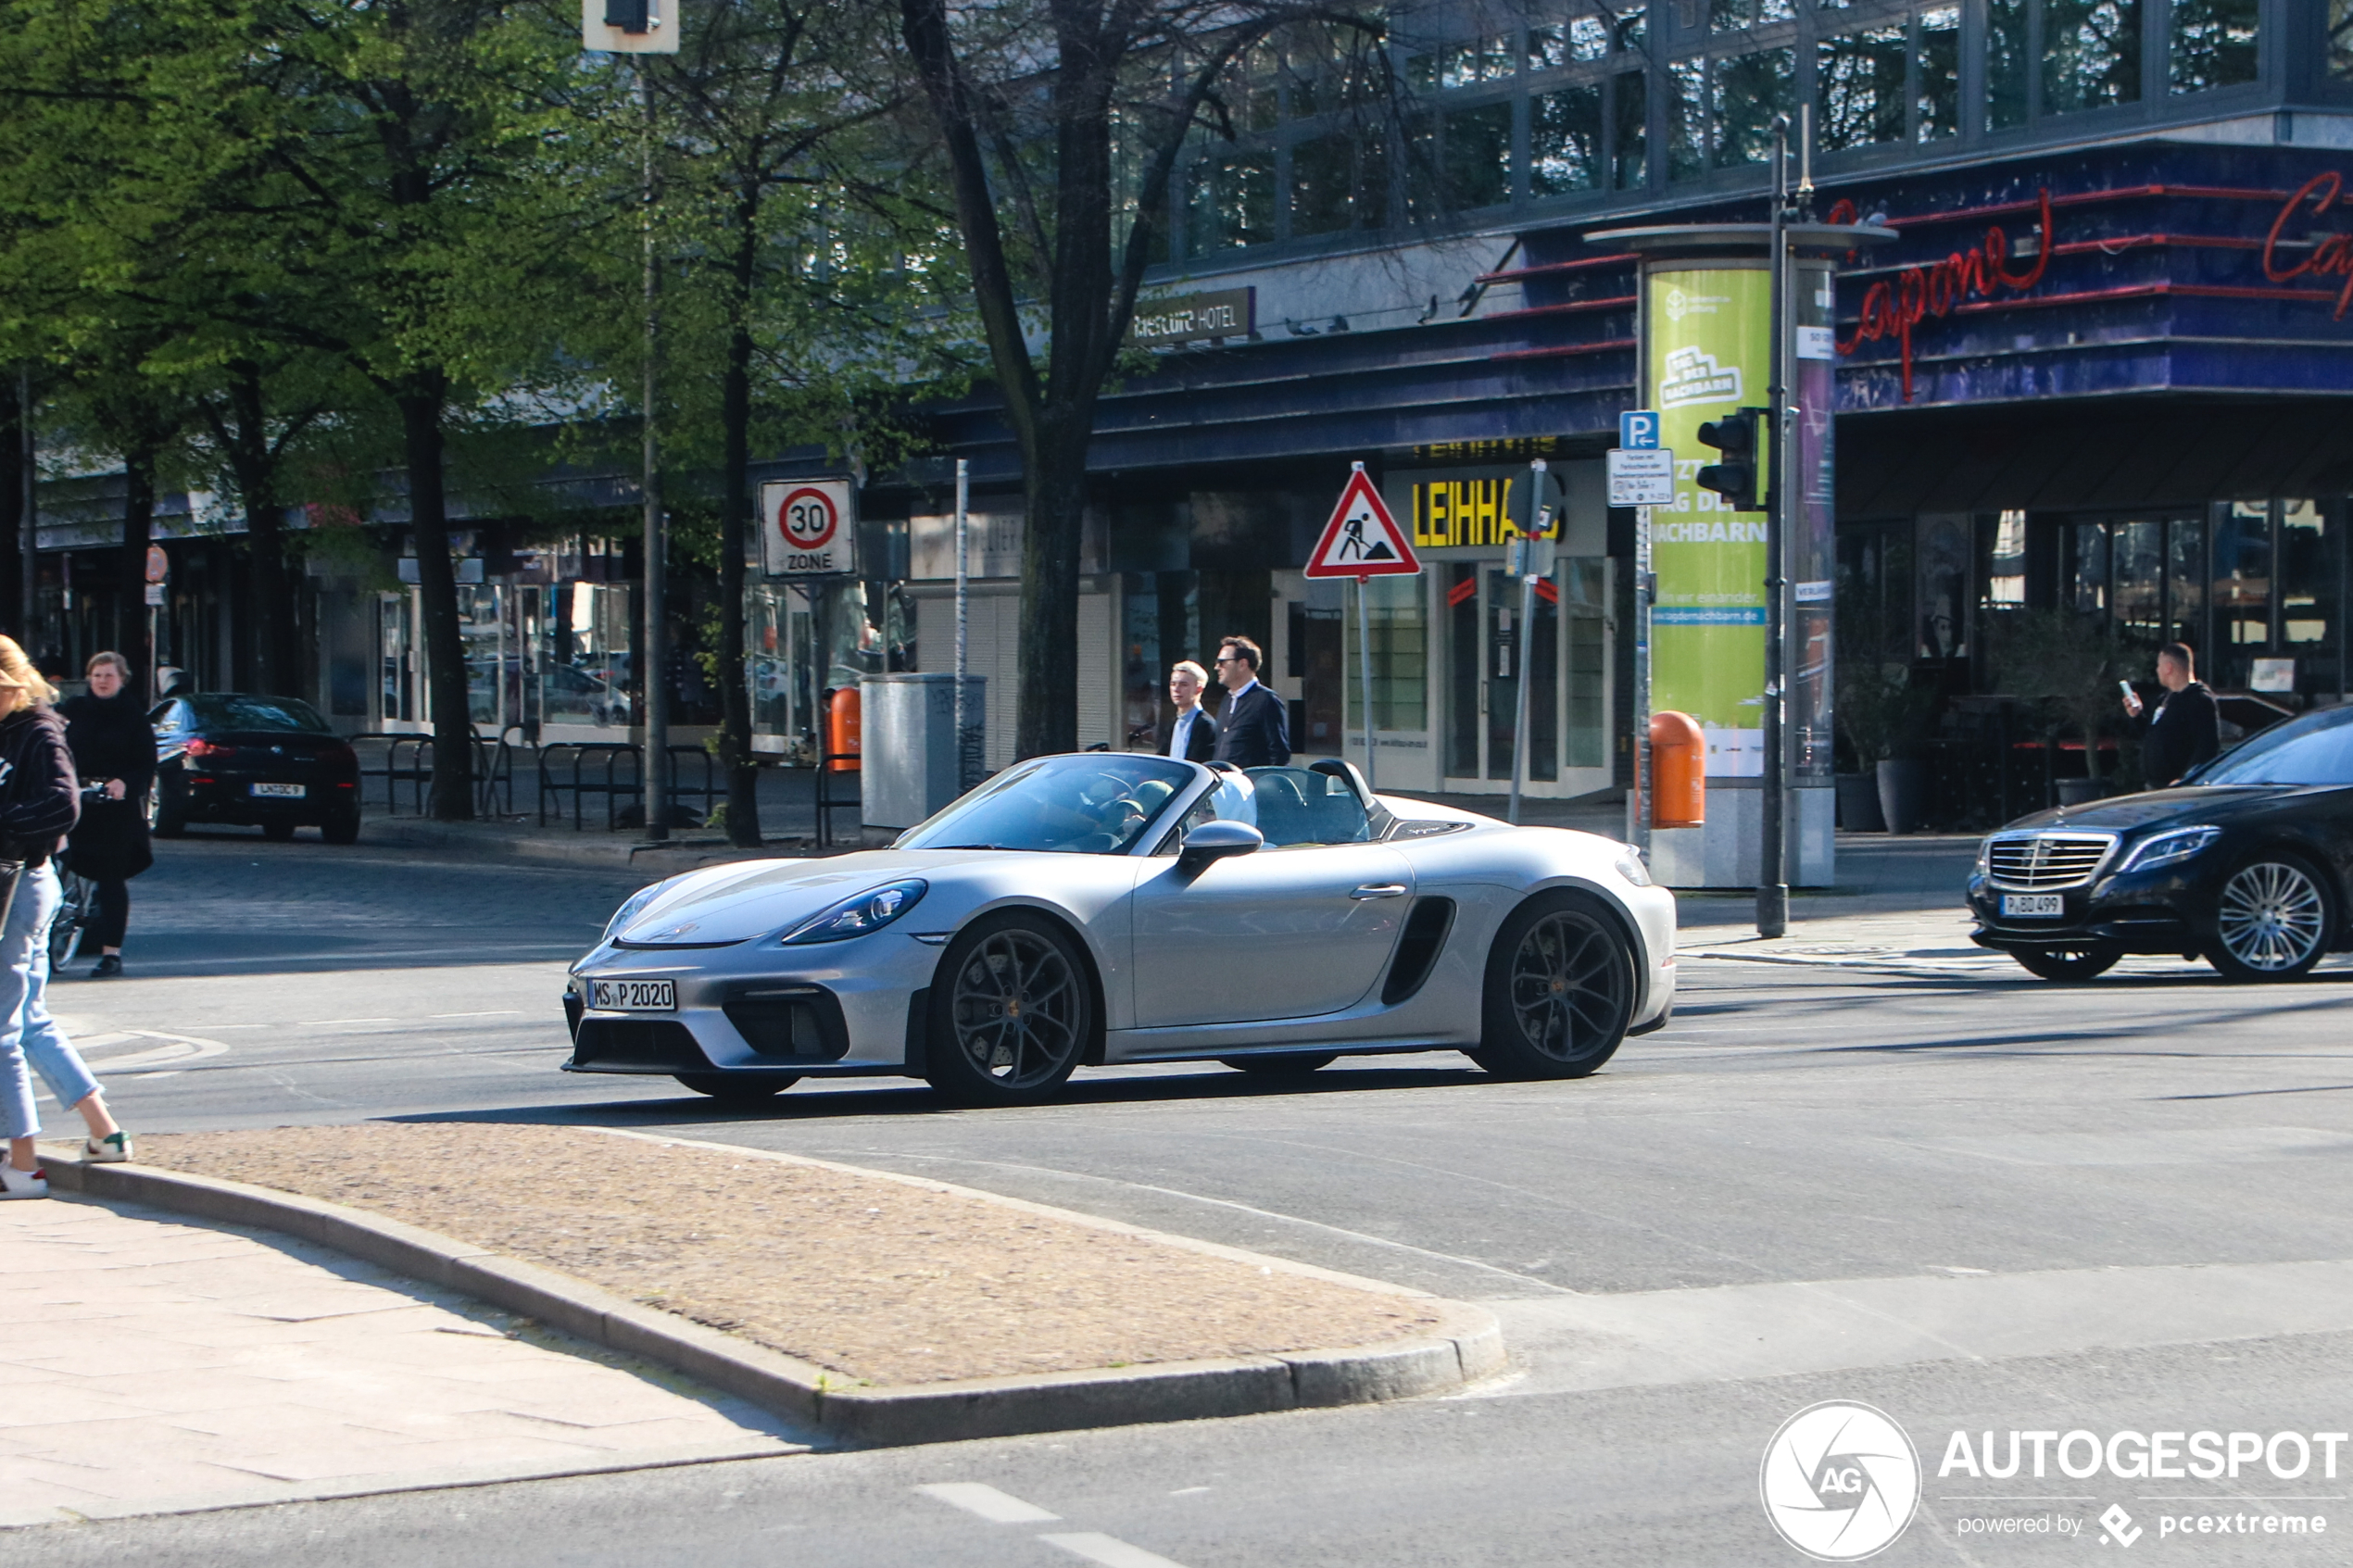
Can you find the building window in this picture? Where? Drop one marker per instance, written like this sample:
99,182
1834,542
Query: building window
1478,164
2137,551
2006,64
1731,16
1940,57
1233,197
2091,54
1687,119
2005,563
2087,574
2213,44
2340,44
1859,78
1338,182
1565,140
2241,588
2185,581
1750,90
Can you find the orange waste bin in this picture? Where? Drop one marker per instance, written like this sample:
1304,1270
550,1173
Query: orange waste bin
841,729
1679,772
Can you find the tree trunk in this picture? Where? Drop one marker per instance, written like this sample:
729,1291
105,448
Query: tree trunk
1055,484
453,795
256,467
735,535
11,504
132,615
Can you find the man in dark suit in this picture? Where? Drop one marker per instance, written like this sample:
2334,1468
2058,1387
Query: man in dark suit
1193,733
1255,729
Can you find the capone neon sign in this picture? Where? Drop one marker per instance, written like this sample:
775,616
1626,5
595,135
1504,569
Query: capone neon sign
2333,257
1892,308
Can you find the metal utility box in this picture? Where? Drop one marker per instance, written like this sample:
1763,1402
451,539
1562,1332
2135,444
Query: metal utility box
909,765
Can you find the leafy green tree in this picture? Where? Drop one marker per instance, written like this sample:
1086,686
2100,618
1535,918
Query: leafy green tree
791,316
1063,122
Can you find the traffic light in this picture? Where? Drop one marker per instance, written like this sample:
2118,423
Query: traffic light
1736,476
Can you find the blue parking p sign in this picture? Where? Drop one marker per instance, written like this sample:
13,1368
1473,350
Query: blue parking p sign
1638,430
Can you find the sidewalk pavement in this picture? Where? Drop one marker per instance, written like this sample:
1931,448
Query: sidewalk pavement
154,1364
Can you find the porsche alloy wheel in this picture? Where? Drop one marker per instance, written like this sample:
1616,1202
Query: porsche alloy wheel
2274,923
1560,990
1012,1012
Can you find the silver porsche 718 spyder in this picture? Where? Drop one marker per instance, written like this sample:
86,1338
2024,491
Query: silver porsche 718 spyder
1107,908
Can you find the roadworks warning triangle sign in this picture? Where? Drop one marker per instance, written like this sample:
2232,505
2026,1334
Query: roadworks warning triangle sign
1362,540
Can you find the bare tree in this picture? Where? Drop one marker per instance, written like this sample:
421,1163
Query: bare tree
1063,124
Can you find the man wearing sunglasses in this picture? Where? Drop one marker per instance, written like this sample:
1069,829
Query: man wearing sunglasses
1253,730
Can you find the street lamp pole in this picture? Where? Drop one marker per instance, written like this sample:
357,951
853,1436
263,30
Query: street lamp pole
1772,877
654,657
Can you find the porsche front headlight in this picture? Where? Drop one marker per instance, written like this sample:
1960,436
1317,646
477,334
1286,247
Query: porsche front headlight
631,908
870,910
1629,866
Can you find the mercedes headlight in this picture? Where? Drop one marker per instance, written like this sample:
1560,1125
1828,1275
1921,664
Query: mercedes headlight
869,910
1985,857
633,906
2165,848
1629,866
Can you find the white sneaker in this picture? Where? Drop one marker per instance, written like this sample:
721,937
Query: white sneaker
23,1183
112,1149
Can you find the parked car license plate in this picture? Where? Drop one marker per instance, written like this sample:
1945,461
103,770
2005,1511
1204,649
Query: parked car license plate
2032,906
634,995
280,791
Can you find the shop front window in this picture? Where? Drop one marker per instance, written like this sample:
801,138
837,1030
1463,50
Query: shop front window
1584,604
2310,616
1400,648
584,677
2137,552
2242,590
2087,586
2185,581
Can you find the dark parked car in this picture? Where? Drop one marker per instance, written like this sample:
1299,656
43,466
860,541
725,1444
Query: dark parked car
223,756
2245,864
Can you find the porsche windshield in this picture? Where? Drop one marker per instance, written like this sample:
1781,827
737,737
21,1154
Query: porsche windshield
1098,803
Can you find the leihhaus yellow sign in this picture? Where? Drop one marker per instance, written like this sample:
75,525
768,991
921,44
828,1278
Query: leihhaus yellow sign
1464,509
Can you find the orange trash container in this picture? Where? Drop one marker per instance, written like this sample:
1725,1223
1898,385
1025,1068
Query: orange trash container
1679,772
842,729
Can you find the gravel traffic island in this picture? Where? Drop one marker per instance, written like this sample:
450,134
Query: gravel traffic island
877,1290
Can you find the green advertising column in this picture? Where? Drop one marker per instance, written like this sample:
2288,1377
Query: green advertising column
1705,354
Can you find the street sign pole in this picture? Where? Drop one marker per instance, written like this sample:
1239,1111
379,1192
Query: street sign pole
1638,811
1526,568
964,780
1363,541
1364,663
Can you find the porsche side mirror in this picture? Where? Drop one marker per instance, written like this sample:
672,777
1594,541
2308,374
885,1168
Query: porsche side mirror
1216,841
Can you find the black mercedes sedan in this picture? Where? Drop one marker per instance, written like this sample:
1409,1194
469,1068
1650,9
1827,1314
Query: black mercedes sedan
2246,863
225,757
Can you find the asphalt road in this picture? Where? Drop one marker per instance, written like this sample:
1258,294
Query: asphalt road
1978,1204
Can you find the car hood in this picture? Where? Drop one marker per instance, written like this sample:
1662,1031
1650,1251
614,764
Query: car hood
721,905
2157,806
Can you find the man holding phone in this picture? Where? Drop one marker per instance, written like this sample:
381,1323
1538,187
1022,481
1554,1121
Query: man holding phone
2187,728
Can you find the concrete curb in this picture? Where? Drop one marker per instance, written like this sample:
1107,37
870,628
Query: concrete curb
1469,1345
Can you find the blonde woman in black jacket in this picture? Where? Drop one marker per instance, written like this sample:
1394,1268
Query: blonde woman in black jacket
40,800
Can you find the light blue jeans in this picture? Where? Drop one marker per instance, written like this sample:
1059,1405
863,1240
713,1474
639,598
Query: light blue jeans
27,1032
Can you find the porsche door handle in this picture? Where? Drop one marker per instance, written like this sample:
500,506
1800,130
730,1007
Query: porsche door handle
1380,890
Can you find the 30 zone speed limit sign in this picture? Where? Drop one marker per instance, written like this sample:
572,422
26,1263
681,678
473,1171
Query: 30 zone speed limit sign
807,528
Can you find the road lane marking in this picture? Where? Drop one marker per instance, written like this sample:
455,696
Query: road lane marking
1241,1208
490,1012
979,1497
328,1022
176,1050
1109,1550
